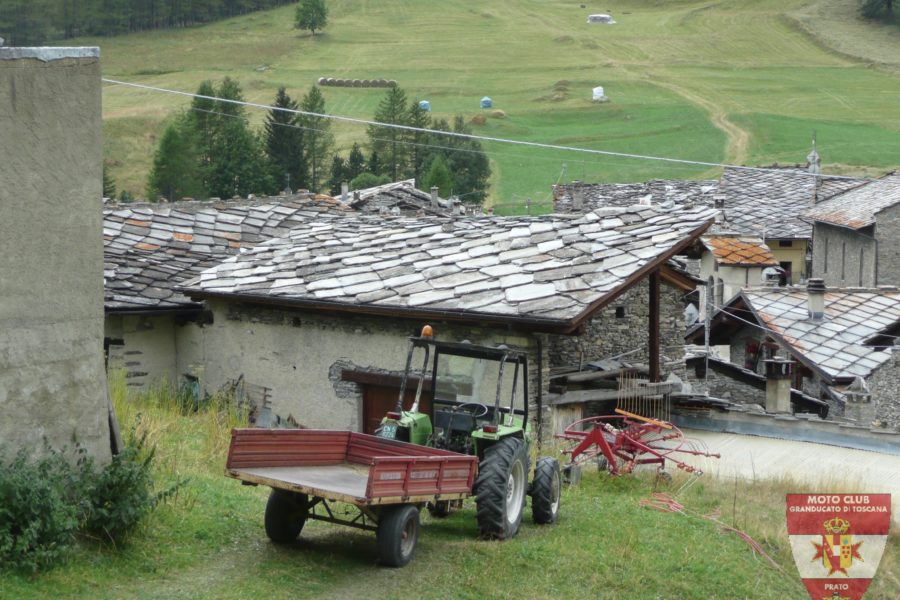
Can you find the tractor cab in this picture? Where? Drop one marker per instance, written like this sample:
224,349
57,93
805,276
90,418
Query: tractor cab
479,396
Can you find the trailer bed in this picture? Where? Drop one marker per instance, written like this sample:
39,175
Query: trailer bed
348,466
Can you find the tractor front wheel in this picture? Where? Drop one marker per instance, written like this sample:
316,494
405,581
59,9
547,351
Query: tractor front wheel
545,491
397,534
500,489
285,515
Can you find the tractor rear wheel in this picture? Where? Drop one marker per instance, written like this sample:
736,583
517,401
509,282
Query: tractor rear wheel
285,515
545,491
397,534
500,489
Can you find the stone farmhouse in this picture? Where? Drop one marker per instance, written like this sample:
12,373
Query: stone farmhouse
400,198
840,343
149,249
856,233
320,315
731,261
580,197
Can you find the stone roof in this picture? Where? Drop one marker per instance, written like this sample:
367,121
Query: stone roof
835,344
150,248
737,250
399,198
857,208
547,270
659,191
772,203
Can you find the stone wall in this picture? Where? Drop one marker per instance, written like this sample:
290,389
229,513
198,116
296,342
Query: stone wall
883,407
299,356
719,385
147,352
51,243
837,252
887,230
621,328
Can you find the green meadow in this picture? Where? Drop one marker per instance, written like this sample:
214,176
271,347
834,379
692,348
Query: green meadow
741,81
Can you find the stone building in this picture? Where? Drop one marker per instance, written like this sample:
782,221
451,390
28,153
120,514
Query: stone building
149,249
52,383
320,317
841,341
400,198
730,262
856,235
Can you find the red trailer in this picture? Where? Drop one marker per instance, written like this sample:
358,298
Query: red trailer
387,481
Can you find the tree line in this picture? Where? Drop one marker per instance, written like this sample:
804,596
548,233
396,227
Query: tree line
35,22
210,150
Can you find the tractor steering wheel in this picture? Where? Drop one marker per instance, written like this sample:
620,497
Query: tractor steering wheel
475,413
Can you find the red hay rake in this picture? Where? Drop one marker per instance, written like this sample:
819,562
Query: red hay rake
626,440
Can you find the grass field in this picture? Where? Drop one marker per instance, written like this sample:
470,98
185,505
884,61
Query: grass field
745,81
208,541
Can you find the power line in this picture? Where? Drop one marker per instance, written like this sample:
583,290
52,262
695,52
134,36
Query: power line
468,136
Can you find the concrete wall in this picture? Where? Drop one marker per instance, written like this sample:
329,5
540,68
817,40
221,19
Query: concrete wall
887,231
837,252
148,353
52,383
299,356
608,335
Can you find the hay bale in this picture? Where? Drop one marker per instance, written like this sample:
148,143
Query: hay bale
478,120
357,83
322,81
366,83
392,83
498,114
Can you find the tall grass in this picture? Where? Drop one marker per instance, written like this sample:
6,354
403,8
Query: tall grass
160,411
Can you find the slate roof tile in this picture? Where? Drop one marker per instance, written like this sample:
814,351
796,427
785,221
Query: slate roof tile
516,271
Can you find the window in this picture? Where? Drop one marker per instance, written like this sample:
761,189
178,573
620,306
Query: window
785,244
620,312
843,260
862,262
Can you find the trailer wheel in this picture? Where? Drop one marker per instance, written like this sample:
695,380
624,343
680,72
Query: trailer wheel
397,534
545,491
285,515
500,489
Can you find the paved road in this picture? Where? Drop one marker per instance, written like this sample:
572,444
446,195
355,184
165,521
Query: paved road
818,465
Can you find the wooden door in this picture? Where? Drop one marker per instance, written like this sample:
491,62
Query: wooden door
378,400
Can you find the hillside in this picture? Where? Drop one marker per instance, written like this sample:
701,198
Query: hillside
737,80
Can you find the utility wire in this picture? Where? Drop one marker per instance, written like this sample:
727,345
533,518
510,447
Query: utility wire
468,136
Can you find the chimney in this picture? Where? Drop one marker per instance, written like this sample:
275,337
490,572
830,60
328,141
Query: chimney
778,385
434,198
578,197
719,201
815,290
345,189
456,206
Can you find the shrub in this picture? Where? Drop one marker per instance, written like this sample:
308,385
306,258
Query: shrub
37,515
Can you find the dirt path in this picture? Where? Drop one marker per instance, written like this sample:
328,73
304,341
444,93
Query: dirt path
738,139
820,467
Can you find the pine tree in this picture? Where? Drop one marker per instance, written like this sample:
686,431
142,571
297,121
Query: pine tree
418,140
356,162
285,143
468,164
311,15
338,175
438,175
878,9
238,167
389,142
109,184
317,137
174,174
374,164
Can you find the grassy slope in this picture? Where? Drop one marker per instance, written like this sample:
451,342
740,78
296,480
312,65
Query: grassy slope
734,80
208,542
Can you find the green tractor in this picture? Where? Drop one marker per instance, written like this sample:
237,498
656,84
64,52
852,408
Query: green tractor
478,408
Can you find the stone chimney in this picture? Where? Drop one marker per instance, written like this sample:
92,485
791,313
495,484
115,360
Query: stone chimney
434,198
457,206
345,192
815,291
778,385
578,197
